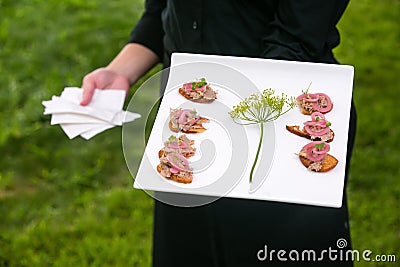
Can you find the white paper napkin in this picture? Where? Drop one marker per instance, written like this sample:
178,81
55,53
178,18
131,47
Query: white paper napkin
102,113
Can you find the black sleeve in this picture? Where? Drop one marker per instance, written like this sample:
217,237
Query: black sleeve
149,30
304,30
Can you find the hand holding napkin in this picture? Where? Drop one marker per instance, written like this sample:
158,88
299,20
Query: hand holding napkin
102,113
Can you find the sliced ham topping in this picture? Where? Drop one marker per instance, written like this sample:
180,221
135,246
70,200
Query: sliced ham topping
324,103
316,151
167,169
196,86
318,126
187,116
308,97
182,145
199,90
173,161
190,87
183,119
315,102
178,162
176,144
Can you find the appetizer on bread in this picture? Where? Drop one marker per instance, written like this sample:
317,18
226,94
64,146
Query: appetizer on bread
318,129
199,92
181,145
318,102
186,121
314,156
175,166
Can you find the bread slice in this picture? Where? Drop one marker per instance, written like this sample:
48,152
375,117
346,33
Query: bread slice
197,100
196,130
328,163
174,177
295,129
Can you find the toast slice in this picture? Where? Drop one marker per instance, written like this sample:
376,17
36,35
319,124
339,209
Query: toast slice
185,180
197,127
197,100
327,164
295,129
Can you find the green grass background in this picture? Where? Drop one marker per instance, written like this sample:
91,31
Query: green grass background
70,203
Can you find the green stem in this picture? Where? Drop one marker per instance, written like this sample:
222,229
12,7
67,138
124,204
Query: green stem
258,151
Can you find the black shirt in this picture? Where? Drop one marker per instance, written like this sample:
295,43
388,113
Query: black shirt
281,29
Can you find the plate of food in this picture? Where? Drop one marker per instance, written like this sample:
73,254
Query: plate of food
198,147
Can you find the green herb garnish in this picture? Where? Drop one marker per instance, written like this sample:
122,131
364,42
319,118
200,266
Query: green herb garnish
306,91
319,146
328,123
260,109
199,84
172,138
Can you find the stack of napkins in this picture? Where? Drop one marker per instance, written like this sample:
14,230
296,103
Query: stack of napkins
102,113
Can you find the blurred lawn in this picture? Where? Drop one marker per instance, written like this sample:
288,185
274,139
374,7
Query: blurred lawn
70,203
371,42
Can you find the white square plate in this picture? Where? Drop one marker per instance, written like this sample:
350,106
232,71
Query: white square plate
226,150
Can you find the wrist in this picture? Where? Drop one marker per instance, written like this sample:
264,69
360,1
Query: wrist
119,71
133,61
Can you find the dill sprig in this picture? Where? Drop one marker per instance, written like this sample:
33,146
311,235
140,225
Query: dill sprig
259,109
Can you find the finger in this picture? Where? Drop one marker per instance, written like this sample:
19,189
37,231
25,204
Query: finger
88,87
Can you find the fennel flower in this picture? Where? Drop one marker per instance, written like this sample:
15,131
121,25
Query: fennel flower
259,109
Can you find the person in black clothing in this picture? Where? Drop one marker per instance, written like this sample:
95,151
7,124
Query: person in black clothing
219,234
